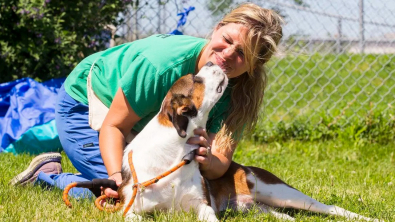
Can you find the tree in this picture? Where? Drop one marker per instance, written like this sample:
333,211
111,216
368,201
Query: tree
43,39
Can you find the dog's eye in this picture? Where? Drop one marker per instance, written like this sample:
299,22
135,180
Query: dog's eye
197,79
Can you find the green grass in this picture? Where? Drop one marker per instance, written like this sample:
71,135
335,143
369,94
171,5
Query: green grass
306,85
357,177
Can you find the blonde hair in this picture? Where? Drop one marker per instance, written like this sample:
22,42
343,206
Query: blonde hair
264,33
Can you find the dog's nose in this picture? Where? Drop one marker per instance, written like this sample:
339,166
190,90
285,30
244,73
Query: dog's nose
209,64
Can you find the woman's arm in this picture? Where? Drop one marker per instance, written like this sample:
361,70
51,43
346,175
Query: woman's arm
116,126
213,163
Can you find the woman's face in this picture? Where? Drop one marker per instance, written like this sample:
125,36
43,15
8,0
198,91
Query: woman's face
226,49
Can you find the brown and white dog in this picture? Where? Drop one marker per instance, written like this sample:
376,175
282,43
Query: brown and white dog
162,145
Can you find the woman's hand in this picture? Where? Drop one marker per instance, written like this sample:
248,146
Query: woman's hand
203,153
212,163
112,193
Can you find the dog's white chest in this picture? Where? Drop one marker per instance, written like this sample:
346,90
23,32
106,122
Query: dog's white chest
167,193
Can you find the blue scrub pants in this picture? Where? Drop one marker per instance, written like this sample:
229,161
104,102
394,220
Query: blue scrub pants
80,143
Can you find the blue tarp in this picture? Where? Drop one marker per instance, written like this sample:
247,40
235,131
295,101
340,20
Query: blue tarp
24,105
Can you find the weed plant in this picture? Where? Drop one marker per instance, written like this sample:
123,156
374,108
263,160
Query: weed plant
375,127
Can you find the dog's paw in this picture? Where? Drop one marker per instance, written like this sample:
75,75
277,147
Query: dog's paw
131,217
282,216
208,218
206,213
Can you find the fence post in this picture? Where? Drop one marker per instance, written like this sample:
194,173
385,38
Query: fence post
158,30
136,21
361,27
339,36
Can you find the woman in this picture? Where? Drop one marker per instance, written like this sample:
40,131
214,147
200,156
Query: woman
132,80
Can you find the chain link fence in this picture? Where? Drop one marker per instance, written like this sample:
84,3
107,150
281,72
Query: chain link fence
336,58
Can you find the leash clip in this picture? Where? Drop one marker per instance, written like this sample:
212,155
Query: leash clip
189,156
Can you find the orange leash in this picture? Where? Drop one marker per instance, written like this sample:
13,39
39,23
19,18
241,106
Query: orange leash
135,185
148,182
66,193
111,209
97,201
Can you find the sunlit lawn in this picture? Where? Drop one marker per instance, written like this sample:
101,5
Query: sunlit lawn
358,178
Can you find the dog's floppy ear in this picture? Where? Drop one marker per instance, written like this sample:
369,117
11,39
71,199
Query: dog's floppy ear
183,108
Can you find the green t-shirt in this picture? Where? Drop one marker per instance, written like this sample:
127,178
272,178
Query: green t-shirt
145,70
